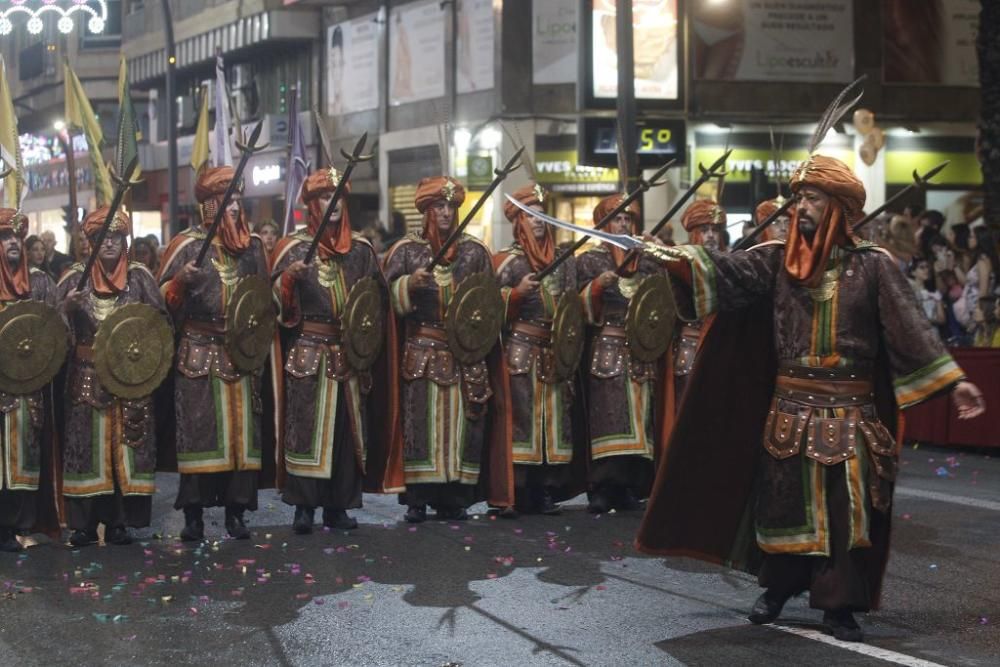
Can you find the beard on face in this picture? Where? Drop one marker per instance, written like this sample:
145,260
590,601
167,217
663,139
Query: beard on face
14,255
807,226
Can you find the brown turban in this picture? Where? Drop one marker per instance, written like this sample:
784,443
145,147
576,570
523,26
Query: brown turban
602,209
107,283
15,284
539,253
703,212
806,260
765,210
337,236
209,190
430,190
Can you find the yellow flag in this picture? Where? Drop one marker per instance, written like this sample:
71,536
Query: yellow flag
10,148
199,152
80,115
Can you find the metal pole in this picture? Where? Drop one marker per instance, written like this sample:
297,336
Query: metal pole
625,104
66,139
168,23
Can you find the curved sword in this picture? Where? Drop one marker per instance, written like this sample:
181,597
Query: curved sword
621,240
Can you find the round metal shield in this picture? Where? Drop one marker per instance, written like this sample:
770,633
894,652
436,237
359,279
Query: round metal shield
649,323
567,334
250,323
32,346
133,350
474,318
364,324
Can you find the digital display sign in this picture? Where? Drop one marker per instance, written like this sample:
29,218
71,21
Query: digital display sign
659,140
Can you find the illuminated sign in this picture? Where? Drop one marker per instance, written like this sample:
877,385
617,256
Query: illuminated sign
266,173
658,141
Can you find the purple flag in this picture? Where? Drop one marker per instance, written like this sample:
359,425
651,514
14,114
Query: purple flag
298,163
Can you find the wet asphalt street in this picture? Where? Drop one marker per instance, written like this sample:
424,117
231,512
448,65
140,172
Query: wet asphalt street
567,590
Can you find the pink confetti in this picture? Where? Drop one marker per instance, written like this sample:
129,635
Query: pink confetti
602,588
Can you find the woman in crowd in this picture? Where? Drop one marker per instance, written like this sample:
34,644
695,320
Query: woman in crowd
35,250
981,276
269,233
928,296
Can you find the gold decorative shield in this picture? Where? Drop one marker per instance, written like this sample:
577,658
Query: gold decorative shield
474,318
567,334
33,342
250,323
364,324
649,323
133,350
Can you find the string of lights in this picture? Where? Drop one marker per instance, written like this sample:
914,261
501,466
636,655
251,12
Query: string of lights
94,12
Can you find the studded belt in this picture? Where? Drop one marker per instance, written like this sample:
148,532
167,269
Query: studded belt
432,332
205,327
613,331
321,329
532,332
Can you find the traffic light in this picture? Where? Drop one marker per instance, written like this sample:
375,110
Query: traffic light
282,98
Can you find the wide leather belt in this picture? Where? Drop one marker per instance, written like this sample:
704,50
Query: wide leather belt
205,328
432,332
613,331
84,353
321,329
537,333
824,392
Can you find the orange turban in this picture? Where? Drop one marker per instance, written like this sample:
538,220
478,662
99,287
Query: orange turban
430,190
766,209
805,260
209,190
337,236
602,209
703,212
107,283
540,253
15,284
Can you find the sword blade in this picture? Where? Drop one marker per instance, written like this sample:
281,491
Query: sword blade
621,240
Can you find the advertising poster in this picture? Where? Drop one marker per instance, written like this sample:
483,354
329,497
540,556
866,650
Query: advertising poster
554,53
655,48
475,45
931,42
416,52
774,40
352,66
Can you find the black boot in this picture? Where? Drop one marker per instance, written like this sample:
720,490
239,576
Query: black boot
338,519
508,513
598,502
416,514
843,626
451,514
82,538
628,501
767,608
234,524
8,541
117,535
194,527
304,519
547,506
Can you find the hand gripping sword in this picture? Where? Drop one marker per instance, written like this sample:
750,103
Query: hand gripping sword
499,176
247,149
124,183
353,158
643,186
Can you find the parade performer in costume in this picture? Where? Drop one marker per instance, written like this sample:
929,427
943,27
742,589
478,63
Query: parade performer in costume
109,444
778,230
329,439
816,343
220,443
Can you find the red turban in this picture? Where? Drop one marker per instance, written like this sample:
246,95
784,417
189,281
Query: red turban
14,283
107,283
540,253
337,236
430,190
806,260
209,190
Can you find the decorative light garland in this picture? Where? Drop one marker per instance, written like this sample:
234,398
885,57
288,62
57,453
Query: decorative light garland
36,10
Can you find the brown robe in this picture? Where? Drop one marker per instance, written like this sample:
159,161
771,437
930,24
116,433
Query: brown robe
222,444
109,448
26,454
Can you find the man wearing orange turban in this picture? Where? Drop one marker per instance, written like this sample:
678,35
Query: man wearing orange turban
445,406
24,418
109,443
810,336
328,407
777,230
220,442
620,388
541,404
705,222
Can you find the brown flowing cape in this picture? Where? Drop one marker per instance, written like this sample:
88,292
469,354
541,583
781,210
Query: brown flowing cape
702,504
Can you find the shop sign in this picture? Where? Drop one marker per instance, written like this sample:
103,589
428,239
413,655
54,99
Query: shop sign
560,171
263,174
